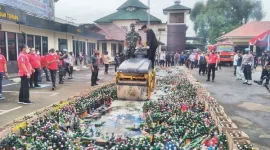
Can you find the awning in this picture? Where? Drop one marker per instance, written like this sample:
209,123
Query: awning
262,40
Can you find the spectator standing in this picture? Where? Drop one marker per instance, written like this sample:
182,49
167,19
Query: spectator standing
25,71
239,69
168,59
3,72
162,58
192,60
196,60
219,63
264,73
81,58
235,59
176,59
52,62
117,61
71,64
94,68
182,59
202,63
106,62
34,60
212,64
43,63
248,62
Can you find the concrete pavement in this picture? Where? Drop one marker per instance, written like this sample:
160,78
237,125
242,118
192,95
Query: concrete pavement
42,97
248,106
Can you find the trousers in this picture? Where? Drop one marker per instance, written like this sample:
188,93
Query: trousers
211,68
239,72
106,68
24,89
34,77
53,77
265,74
202,68
247,72
94,75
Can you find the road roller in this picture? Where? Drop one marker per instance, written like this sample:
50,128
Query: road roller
135,78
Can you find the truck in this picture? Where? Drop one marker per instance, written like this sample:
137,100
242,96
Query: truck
226,50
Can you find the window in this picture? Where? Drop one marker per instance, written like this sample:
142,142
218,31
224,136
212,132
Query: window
177,18
83,48
62,44
90,48
74,47
12,49
3,43
30,41
38,43
104,48
21,40
45,45
113,50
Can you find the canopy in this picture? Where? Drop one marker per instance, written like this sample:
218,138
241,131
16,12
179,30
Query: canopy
262,40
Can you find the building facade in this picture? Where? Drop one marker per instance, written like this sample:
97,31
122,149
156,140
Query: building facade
18,28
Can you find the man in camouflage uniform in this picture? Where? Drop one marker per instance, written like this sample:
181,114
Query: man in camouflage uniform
131,42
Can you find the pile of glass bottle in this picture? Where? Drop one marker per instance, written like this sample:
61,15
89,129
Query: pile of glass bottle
176,121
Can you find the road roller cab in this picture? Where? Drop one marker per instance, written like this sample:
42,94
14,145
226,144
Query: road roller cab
135,78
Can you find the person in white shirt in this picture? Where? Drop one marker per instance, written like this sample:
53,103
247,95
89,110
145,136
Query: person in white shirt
192,60
162,58
106,62
71,60
235,59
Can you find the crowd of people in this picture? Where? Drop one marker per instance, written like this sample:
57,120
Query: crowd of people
31,66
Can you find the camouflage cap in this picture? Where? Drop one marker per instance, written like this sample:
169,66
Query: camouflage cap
132,25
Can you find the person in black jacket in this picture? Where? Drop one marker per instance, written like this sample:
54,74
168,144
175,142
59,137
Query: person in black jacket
152,43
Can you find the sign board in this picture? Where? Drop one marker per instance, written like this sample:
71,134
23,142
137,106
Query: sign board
39,8
8,13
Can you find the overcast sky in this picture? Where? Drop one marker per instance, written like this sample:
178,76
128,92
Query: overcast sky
86,11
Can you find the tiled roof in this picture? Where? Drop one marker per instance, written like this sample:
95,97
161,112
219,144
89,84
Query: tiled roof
138,14
133,3
175,7
112,32
248,30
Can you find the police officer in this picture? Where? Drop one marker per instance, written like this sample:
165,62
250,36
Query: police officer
131,42
248,63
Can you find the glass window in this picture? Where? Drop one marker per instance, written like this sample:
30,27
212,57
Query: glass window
74,47
113,50
62,44
104,48
177,18
21,40
120,48
83,48
45,45
30,41
38,43
3,43
12,49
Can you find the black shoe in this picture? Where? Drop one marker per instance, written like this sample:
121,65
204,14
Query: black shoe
96,84
27,103
207,80
61,82
53,88
93,84
31,87
245,83
48,80
37,86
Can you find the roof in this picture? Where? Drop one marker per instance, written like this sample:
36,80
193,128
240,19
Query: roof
112,32
132,3
176,7
138,14
249,30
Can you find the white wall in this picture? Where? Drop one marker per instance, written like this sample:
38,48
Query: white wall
125,23
52,35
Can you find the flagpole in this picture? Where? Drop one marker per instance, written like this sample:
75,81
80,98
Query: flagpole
148,13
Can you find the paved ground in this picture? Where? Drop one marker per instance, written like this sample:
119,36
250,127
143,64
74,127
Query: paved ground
42,97
248,106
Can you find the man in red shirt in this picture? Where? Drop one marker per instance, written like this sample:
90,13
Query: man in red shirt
25,71
212,64
52,61
34,60
3,72
43,63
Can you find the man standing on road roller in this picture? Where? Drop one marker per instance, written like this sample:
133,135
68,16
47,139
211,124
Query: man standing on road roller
152,44
131,42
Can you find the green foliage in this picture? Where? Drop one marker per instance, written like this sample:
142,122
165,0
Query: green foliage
214,18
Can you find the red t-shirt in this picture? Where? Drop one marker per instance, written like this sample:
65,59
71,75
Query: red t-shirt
43,61
23,59
50,58
3,62
212,59
196,56
34,60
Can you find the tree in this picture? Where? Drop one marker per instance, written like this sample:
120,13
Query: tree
216,17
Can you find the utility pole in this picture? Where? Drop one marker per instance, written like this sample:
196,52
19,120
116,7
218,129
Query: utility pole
148,13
